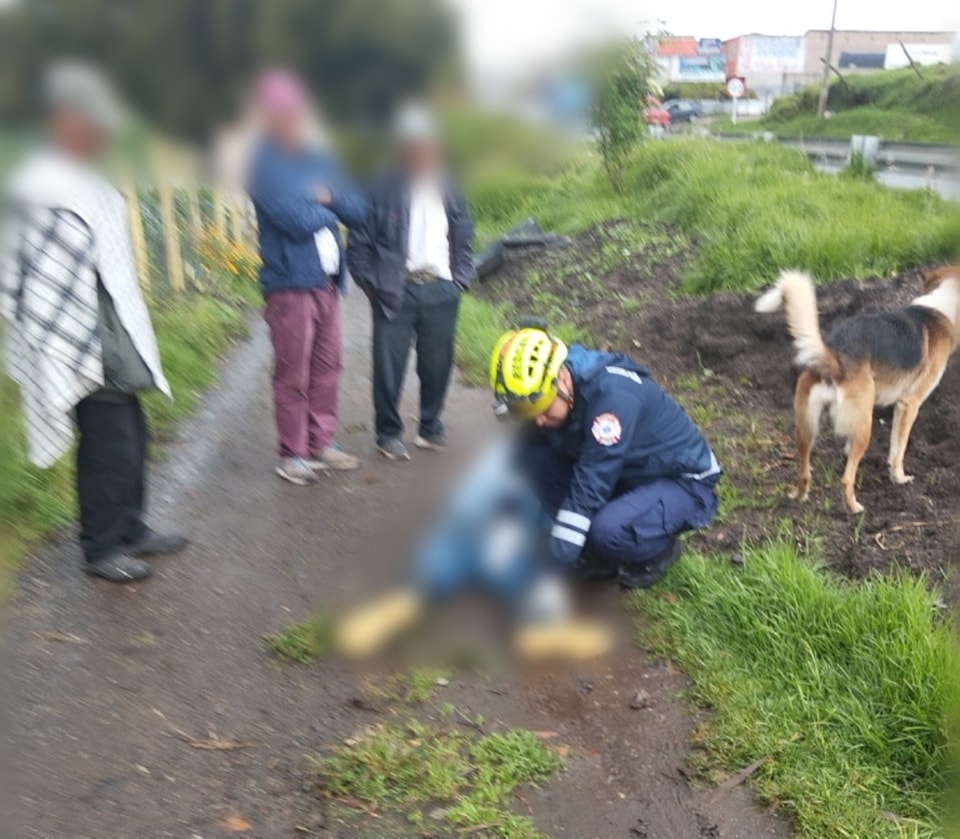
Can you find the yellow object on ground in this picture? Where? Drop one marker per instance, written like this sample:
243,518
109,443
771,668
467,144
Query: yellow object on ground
367,630
569,639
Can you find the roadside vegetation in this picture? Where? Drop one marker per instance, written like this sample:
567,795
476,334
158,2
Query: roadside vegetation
750,209
433,777
847,693
894,105
193,332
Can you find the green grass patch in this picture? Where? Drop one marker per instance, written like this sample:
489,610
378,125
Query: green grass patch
414,687
895,105
405,768
850,690
751,209
304,641
192,333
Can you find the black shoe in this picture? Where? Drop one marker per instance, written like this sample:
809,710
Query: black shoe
120,568
590,568
157,544
650,573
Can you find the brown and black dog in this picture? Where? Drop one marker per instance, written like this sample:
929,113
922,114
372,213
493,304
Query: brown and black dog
892,358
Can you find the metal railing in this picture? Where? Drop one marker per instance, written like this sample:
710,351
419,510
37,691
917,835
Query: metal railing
927,159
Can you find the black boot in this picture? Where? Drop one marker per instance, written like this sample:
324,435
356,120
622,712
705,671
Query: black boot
650,573
591,567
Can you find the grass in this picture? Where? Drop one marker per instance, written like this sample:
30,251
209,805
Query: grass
895,105
413,687
192,333
850,690
404,768
749,208
304,641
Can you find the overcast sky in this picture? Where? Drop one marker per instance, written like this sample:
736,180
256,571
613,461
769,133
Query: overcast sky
512,32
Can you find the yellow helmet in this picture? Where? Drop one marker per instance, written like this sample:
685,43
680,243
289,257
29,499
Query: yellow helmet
523,372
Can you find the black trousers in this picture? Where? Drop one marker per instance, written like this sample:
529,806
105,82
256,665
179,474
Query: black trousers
428,317
111,472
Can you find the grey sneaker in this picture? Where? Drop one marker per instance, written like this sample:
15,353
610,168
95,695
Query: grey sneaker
431,442
335,458
297,471
120,568
393,449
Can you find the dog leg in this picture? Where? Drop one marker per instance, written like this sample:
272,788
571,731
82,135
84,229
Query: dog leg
855,422
904,416
807,410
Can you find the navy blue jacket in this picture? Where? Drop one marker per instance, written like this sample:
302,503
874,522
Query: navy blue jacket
378,250
622,431
283,189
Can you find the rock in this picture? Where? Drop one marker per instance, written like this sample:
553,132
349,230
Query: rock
641,700
737,559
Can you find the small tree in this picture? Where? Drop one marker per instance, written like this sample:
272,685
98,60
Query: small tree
623,76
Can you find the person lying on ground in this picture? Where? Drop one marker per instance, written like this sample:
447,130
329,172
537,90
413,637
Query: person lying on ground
300,196
80,343
413,259
604,456
489,536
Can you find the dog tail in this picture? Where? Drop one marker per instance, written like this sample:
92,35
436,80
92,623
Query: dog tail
795,292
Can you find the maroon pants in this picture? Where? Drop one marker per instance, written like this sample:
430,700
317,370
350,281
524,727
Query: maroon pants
308,358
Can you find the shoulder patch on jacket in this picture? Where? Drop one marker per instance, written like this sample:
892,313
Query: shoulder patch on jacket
627,374
606,429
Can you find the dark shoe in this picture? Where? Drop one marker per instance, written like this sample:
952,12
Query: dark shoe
121,568
157,544
431,442
590,568
393,449
650,573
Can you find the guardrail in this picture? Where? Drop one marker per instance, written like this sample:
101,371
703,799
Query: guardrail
928,159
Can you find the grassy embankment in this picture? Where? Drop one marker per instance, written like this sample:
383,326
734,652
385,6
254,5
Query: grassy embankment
847,693
894,105
193,332
749,209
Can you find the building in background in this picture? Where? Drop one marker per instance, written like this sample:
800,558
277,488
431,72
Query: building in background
775,65
687,59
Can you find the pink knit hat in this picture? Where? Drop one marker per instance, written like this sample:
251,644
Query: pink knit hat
280,92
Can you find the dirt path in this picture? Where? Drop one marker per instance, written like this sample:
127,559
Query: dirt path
110,691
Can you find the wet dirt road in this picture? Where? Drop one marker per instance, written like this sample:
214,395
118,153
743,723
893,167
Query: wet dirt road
113,693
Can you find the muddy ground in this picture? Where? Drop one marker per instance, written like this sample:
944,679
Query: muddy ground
154,710
731,368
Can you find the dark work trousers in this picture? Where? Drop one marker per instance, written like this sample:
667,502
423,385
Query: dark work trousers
639,523
428,318
111,466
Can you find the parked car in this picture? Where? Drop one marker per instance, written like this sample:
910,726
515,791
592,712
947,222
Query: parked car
683,110
656,114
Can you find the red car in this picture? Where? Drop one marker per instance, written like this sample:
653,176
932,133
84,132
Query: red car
655,113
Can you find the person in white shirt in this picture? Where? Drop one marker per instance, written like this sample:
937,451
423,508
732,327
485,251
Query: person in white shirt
413,259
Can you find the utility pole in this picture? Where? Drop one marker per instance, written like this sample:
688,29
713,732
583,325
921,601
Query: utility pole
825,86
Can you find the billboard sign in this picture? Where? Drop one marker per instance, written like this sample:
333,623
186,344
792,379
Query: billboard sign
771,54
701,68
925,55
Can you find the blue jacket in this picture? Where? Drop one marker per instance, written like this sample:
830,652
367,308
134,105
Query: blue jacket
622,431
282,187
